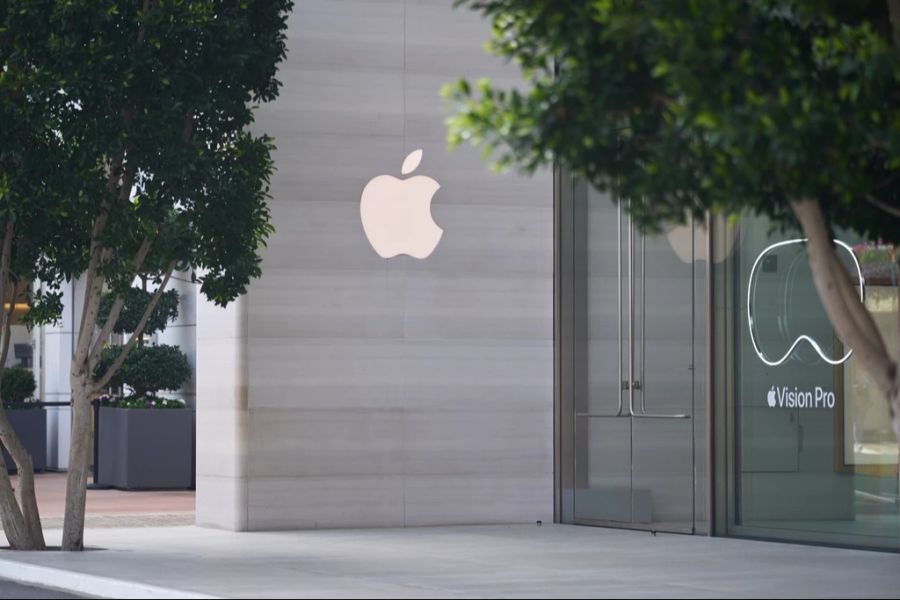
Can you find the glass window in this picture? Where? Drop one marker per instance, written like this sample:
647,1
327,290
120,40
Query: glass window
814,456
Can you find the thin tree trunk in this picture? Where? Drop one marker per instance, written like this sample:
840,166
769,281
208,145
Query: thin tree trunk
845,310
34,540
10,515
21,520
894,14
79,462
81,380
83,387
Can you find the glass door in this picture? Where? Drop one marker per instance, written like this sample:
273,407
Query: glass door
636,364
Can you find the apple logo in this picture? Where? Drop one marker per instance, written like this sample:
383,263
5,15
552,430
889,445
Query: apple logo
690,242
396,213
771,399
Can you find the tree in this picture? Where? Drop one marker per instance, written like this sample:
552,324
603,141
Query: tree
153,99
40,180
784,108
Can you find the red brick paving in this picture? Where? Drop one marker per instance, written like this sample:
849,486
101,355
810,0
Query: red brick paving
51,493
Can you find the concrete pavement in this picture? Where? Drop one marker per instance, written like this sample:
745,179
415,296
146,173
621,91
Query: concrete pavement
519,561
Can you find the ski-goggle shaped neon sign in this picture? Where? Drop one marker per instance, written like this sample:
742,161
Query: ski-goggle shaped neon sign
801,338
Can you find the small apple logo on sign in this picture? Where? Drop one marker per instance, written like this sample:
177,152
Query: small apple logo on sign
771,398
396,213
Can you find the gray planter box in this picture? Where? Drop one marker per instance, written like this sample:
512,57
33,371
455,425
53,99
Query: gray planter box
30,424
145,448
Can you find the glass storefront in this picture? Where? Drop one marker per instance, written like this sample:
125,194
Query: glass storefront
632,337
785,438
814,457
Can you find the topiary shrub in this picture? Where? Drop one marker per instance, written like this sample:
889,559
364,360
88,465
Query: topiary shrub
17,385
147,369
136,301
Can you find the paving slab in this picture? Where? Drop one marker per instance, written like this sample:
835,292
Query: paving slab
516,561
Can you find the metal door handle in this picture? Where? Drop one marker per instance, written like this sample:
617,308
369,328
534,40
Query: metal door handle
621,407
586,415
636,383
645,415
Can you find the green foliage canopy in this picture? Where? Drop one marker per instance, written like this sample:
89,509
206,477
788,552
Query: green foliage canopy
17,385
140,110
136,301
147,369
699,105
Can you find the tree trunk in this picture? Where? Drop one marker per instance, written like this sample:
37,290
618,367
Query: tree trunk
84,384
10,515
21,519
79,461
895,410
846,311
32,538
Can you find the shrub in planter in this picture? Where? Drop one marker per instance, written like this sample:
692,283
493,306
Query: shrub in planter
141,447
17,385
147,369
27,417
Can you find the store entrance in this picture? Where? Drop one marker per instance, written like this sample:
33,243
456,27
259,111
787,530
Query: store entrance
636,324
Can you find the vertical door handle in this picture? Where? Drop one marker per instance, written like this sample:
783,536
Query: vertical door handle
636,383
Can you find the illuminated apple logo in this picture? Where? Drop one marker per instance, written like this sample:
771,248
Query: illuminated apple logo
396,213
772,398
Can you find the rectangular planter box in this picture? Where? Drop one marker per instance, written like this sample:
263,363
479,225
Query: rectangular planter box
145,448
30,424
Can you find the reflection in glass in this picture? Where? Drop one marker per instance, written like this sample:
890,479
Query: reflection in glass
816,457
638,359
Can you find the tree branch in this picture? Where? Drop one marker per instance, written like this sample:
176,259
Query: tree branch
891,210
148,4
4,353
855,306
116,309
5,261
825,276
93,281
188,128
135,335
894,13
